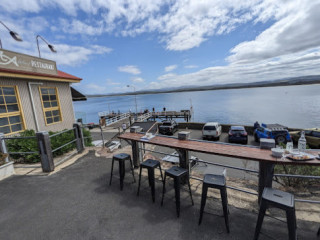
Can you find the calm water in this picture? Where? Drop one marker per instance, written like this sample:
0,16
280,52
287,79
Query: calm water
293,106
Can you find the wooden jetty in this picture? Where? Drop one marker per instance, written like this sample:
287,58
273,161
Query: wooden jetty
107,118
165,115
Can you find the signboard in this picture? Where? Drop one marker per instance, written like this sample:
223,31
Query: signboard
22,62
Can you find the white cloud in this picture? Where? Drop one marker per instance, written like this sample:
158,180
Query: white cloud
190,66
110,82
297,29
68,55
166,76
22,5
293,65
170,68
137,80
93,88
289,46
185,24
73,55
129,69
78,27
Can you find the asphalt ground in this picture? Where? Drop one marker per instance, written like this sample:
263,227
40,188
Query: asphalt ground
78,203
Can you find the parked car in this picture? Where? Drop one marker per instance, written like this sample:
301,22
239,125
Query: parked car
272,131
312,136
211,130
238,134
168,127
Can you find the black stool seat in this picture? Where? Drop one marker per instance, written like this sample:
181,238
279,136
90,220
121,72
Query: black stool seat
150,164
176,173
214,180
279,199
121,158
217,182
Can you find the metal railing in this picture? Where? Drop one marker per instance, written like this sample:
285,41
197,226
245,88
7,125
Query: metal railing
191,161
114,119
44,146
117,118
144,116
65,144
59,133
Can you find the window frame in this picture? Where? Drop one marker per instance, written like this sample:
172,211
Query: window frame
51,108
17,113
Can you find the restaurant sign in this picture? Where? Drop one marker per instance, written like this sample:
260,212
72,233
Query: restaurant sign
22,62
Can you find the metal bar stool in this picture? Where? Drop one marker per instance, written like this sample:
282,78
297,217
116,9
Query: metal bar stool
150,164
176,173
121,158
217,182
279,199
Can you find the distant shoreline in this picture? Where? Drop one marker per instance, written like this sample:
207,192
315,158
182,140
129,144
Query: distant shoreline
306,80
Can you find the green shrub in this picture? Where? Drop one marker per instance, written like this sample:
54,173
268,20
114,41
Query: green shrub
296,170
87,137
24,145
31,145
3,158
61,139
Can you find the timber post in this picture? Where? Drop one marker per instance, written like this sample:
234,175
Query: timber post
136,154
184,161
79,137
45,151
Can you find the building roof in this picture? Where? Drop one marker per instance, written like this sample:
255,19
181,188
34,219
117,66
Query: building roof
77,96
62,76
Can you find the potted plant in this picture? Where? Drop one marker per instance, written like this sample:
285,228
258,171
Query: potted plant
3,158
6,168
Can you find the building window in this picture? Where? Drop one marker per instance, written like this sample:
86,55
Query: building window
50,105
11,119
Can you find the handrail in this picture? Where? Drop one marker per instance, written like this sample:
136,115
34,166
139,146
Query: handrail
56,134
29,137
144,116
117,118
18,153
58,148
234,188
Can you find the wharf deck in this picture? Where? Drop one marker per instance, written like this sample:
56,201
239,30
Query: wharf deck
186,115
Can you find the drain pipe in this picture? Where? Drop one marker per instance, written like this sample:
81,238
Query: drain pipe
32,103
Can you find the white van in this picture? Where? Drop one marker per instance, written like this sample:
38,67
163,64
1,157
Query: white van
211,130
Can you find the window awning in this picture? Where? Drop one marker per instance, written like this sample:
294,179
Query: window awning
77,96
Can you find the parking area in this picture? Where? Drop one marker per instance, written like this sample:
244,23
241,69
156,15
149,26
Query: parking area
197,134
160,152
194,134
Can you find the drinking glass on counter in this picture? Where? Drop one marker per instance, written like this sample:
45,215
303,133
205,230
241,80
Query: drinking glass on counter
289,147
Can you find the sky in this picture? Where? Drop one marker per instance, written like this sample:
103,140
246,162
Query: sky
156,44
